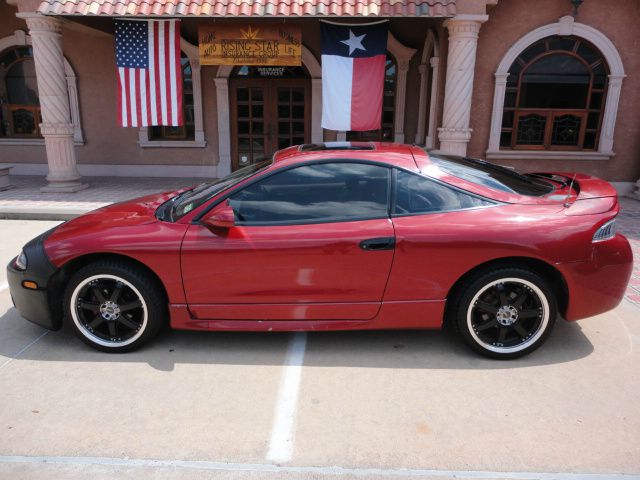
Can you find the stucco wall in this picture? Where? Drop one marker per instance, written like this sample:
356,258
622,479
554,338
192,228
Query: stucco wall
90,50
510,20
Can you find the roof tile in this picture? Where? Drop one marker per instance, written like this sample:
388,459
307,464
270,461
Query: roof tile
253,8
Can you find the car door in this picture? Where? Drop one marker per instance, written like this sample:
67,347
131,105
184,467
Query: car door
437,229
310,242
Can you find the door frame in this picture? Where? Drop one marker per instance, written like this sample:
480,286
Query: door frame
270,110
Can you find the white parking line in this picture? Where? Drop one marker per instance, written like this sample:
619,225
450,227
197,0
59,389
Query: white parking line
313,472
3,286
22,350
281,443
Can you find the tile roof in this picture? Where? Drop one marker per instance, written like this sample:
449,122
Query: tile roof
251,8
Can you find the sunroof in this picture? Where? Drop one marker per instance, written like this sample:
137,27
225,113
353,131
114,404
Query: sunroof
318,147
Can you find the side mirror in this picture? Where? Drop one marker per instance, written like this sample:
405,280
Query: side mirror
221,216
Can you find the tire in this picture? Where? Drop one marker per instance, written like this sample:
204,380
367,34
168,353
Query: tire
115,306
504,313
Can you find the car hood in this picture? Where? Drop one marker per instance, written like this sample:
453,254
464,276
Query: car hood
138,211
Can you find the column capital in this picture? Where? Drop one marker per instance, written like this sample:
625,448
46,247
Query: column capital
43,24
403,66
221,82
434,62
465,25
501,78
422,68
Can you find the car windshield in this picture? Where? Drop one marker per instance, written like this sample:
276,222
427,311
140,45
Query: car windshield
491,175
192,199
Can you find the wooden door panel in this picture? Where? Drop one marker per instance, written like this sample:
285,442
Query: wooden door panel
266,116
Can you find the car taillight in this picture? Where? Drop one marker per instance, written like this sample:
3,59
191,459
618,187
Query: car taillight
605,232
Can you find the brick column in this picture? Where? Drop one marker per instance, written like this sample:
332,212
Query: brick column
56,127
461,62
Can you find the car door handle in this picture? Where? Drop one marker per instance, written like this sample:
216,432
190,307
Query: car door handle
382,243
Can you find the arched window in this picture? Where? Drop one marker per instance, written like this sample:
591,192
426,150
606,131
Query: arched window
555,96
386,133
186,131
20,106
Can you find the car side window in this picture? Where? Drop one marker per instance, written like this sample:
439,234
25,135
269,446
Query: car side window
416,194
318,193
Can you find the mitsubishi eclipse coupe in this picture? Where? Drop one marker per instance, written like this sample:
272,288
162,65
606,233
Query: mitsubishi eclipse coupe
336,237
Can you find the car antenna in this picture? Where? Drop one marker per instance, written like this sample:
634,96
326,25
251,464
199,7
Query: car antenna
566,200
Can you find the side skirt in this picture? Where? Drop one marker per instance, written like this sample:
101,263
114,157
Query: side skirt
392,315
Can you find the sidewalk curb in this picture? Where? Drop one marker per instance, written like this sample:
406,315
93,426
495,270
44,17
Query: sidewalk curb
44,213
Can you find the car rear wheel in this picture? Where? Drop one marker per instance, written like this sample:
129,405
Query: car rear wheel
505,313
114,306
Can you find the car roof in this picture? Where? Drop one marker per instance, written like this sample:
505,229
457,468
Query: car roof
394,154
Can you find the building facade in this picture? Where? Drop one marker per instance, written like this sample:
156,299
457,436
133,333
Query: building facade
536,85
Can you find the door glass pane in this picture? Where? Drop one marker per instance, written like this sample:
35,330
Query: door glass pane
242,94
243,111
283,111
315,193
243,127
283,142
298,94
257,111
244,144
257,95
298,128
416,194
283,95
297,112
284,128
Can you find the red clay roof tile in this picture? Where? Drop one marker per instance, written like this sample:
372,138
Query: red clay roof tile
253,8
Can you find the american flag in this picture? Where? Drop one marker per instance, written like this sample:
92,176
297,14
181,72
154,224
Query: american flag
149,72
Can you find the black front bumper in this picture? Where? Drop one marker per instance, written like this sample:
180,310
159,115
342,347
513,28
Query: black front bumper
34,305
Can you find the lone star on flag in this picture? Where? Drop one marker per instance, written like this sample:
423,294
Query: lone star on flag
354,43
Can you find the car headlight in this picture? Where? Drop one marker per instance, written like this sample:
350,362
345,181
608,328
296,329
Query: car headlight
21,261
605,232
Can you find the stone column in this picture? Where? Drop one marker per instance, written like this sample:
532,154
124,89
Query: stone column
56,127
461,62
224,126
401,93
196,78
317,134
433,102
423,69
496,115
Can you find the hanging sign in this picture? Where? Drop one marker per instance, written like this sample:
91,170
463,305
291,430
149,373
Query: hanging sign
247,44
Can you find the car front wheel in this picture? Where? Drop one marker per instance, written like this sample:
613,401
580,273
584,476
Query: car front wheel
114,306
505,313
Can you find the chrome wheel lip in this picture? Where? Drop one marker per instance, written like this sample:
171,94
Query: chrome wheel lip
88,334
533,338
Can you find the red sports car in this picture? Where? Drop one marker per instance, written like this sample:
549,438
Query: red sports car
334,237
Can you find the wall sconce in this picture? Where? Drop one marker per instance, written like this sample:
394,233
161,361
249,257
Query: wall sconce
576,4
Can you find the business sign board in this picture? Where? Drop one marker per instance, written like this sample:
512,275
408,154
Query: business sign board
247,44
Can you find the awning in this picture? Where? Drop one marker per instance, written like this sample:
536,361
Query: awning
250,8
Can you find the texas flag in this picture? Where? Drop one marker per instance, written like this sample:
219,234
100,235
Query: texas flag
353,64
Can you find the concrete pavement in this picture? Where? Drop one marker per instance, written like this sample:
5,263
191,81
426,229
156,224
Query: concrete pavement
367,404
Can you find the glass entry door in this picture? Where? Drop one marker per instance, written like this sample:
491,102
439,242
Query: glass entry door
266,116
